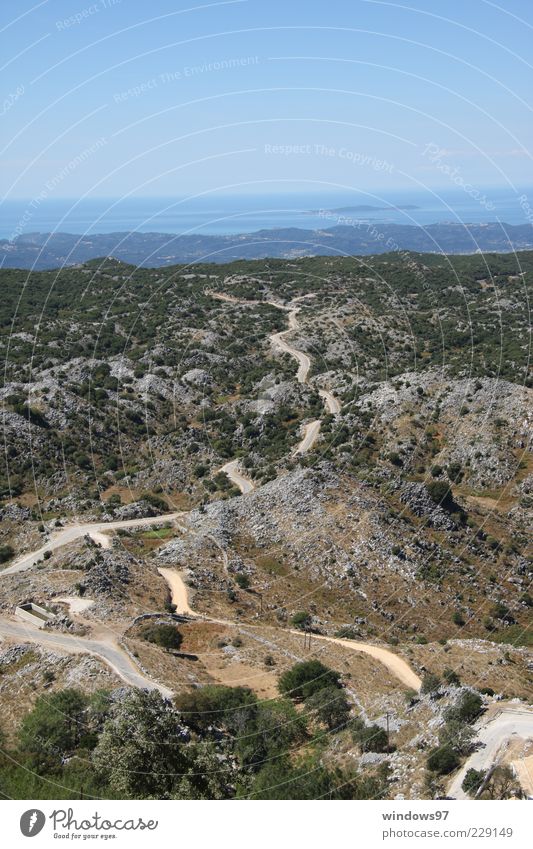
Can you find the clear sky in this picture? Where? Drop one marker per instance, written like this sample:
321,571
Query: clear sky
163,98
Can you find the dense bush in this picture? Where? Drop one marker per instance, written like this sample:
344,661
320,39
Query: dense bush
330,707
466,709
370,738
6,553
166,636
473,780
306,678
440,492
443,760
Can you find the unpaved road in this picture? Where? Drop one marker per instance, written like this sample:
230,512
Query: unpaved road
333,405
395,664
494,733
311,429
106,648
96,530
278,340
178,590
231,469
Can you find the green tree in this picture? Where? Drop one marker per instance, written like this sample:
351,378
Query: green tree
330,707
273,729
166,636
302,620
443,760
439,492
430,683
229,708
6,553
370,738
466,709
53,728
306,678
141,752
473,780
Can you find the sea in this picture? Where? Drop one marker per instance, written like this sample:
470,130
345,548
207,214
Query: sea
216,214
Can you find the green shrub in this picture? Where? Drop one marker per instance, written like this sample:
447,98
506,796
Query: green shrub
302,619
443,760
440,492
473,780
306,678
370,738
166,636
6,553
330,707
430,683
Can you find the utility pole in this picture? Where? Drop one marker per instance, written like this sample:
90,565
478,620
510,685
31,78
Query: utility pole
388,733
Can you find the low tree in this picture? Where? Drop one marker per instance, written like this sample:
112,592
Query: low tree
459,735
502,784
53,728
229,708
473,780
440,492
466,709
370,738
443,760
6,553
306,678
330,707
242,580
272,729
166,636
302,620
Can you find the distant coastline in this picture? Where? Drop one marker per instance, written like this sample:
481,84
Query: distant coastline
41,251
364,207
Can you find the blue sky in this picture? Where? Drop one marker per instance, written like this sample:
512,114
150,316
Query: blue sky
119,97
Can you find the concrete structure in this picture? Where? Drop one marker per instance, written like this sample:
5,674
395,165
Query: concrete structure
33,613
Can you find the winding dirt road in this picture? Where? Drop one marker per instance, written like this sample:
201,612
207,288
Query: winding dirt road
395,664
106,647
333,405
278,340
178,591
312,429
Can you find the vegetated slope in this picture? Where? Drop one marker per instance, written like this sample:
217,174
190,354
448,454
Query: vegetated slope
132,385
127,390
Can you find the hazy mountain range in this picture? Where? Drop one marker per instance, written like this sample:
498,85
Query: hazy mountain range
46,250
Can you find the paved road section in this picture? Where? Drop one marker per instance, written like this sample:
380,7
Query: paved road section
494,734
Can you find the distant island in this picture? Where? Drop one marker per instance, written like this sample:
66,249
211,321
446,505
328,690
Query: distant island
42,251
363,207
